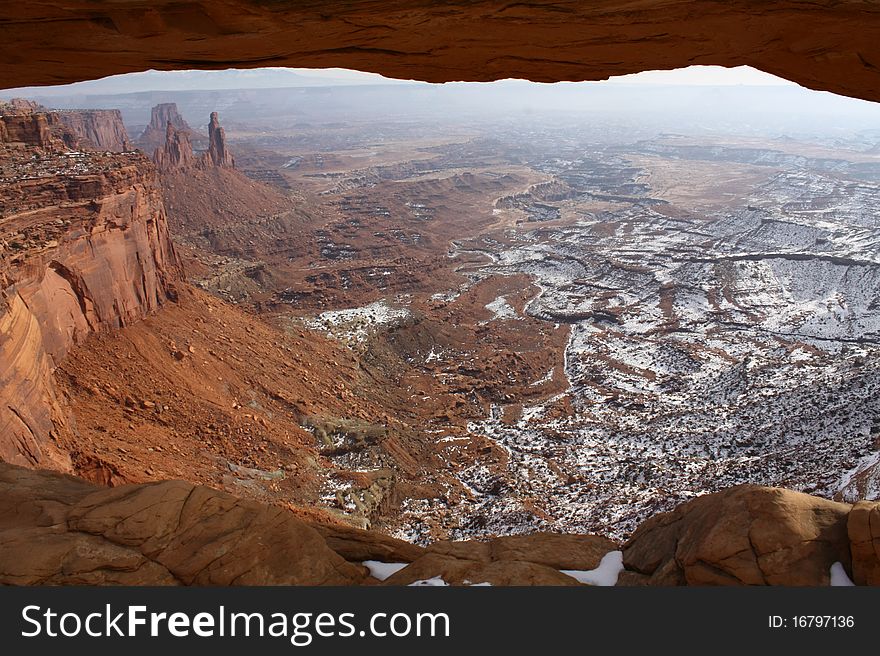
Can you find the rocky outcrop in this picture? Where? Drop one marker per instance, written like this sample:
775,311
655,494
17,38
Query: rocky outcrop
218,154
60,530
26,129
26,123
176,154
746,535
823,44
57,529
863,528
84,247
358,545
155,134
96,129
515,560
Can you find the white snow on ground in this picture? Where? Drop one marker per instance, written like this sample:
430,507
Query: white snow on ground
501,309
435,582
839,579
851,485
433,355
606,573
380,570
356,324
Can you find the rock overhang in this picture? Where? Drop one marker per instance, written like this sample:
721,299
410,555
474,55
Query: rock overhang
824,44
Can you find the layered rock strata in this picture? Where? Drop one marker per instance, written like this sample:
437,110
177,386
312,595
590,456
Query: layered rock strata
822,44
97,129
155,134
84,246
176,153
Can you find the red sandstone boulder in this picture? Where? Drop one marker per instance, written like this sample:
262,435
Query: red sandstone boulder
59,530
746,535
863,528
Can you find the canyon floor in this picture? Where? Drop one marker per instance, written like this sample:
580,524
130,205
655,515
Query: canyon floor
564,328
475,329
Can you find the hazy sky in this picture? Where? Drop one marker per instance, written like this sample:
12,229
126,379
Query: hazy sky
297,77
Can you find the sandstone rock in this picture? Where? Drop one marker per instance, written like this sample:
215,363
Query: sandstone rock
556,550
155,134
514,560
98,129
821,44
746,535
458,571
358,545
60,530
31,129
464,550
112,263
176,154
218,154
863,528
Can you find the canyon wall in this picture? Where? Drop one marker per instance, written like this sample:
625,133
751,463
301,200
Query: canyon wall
84,247
100,129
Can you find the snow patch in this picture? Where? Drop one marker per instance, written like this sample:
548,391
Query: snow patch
356,324
606,573
501,309
380,570
839,578
434,582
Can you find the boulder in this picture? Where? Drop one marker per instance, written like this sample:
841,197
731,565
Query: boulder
746,535
58,530
863,528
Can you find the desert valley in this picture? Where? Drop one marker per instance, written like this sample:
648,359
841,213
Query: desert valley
497,343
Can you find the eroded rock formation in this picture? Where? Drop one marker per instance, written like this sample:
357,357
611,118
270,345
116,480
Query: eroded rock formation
84,247
169,533
155,135
746,535
175,533
97,129
824,44
863,528
218,154
27,123
176,154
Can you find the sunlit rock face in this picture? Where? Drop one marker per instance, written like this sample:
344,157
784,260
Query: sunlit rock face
84,247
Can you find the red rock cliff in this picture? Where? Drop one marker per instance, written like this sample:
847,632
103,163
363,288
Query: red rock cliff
84,246
97,129
176,154
155,134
